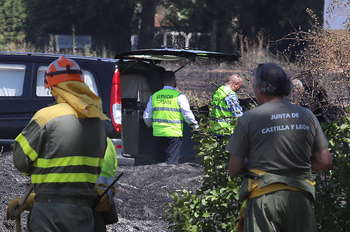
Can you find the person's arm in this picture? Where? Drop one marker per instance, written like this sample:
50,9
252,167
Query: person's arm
148,114
187,112
236,166
321,160
233,104
238,147
28,145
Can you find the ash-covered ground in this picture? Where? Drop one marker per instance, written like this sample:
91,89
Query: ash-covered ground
141,199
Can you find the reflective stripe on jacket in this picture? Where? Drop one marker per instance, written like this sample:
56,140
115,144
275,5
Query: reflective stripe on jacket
167,117
61,152
220,114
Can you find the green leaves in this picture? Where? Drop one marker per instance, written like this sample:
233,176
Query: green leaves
12,21
214,206
333,187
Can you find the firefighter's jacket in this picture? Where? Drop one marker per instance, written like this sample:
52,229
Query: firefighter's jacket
62,150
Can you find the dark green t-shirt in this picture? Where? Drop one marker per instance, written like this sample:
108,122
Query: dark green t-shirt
277,135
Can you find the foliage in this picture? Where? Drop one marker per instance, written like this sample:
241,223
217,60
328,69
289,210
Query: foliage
12,21
333,187
213,207
323,68
199,16
114,21
91,17
276,16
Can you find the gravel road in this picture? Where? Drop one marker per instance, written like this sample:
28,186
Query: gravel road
142,193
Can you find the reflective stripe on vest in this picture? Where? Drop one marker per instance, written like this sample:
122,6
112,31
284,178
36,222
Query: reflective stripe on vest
220,112
167,117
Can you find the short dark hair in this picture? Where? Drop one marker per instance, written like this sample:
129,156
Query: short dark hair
272,80
168,77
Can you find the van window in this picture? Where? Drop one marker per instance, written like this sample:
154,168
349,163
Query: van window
11,79
42,92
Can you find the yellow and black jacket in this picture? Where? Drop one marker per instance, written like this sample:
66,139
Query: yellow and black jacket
62,150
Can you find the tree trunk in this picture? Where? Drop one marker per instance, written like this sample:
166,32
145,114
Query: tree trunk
147,24
249,20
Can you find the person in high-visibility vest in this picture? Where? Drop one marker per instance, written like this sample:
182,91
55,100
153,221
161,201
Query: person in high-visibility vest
105,213
276,146
225,106
165,112
62,150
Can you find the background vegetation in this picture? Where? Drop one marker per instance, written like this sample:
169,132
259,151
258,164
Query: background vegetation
33,23
261,31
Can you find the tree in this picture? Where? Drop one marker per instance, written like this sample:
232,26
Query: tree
12,20
147,23
276,17
203,16
107,21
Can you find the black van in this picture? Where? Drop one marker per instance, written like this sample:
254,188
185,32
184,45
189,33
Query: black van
124,84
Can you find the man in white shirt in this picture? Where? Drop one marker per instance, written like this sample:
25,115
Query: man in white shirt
166,110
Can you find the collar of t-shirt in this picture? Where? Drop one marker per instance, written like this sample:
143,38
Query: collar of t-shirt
168,87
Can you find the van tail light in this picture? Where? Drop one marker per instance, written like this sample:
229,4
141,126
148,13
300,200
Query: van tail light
116,102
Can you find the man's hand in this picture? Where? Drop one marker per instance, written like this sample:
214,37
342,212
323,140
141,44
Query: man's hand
102,204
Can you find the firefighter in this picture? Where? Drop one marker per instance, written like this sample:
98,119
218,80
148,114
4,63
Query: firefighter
225,106
105,213
165,112
283,143
62,149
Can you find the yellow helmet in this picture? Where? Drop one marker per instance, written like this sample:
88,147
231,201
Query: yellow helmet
61,70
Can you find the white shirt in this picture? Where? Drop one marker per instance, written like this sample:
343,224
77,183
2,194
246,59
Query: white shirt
184,106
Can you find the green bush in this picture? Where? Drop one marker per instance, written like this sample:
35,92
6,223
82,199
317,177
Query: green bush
333,187
214,206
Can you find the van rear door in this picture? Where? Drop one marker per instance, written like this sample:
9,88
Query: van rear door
140,78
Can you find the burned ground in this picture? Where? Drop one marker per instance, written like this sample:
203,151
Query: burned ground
141,199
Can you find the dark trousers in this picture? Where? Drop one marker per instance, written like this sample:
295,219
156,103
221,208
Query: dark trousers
59,217
167,149
281,211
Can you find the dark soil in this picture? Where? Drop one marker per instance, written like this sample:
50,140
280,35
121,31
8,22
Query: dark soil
141,199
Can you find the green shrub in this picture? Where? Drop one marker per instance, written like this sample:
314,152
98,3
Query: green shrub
333,187
214,206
